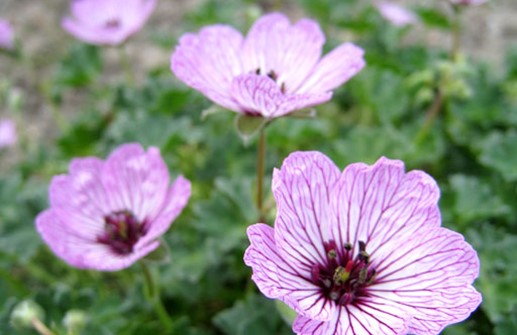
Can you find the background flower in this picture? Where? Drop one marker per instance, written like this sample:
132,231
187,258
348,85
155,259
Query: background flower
107,21
362,251
105,215
6,35
396,14
468,2
8,136
275,70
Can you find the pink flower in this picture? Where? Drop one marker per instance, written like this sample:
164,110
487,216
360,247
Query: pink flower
105,215
8,135
275,70
107,22
468,2
399,16
362,251
6,35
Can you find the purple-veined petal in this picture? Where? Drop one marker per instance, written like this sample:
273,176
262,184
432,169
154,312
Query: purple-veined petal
354,320
80,199
137,180
260,95
290,51
277,278
80,252
176,199
427,274
379,203
334,69
302,189
209,61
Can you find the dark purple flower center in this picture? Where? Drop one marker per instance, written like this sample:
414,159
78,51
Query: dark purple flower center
274,76
112,23
344,278
121,232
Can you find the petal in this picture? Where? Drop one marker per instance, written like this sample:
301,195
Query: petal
80,252
381,203
137,180
208,61
80,199
302,192
353,320
334,69
430,276
95,35
289,51
260,95
175,201
64,242
277,278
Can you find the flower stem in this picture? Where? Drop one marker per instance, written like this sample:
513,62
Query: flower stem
126,64
430,116
261,153
152,294
40,327
456,33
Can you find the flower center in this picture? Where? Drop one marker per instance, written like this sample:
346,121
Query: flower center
274,76
121,232
344,278
112,23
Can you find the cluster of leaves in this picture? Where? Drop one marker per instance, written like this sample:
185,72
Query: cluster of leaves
468,147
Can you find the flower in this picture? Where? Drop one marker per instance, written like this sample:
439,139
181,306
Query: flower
8,135
107,22
468,2
275,70
105,215
399,16
6,35
362,251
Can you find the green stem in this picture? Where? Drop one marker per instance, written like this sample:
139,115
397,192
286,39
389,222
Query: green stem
456,33
431,115
152,294
126,64
261,153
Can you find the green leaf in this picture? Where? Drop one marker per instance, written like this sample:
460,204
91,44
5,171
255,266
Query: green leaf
496,250
252,316
499,152
476,200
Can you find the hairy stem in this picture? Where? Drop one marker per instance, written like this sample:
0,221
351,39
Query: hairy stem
153,295
430,116
456,33
40,327
126,64
261,153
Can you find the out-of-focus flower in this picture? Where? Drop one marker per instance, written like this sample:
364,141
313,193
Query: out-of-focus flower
107,22
362,251
275,70
468,2
105,215
396,14
6,35
8,136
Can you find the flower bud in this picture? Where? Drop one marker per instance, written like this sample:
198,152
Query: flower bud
75,320
25,312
